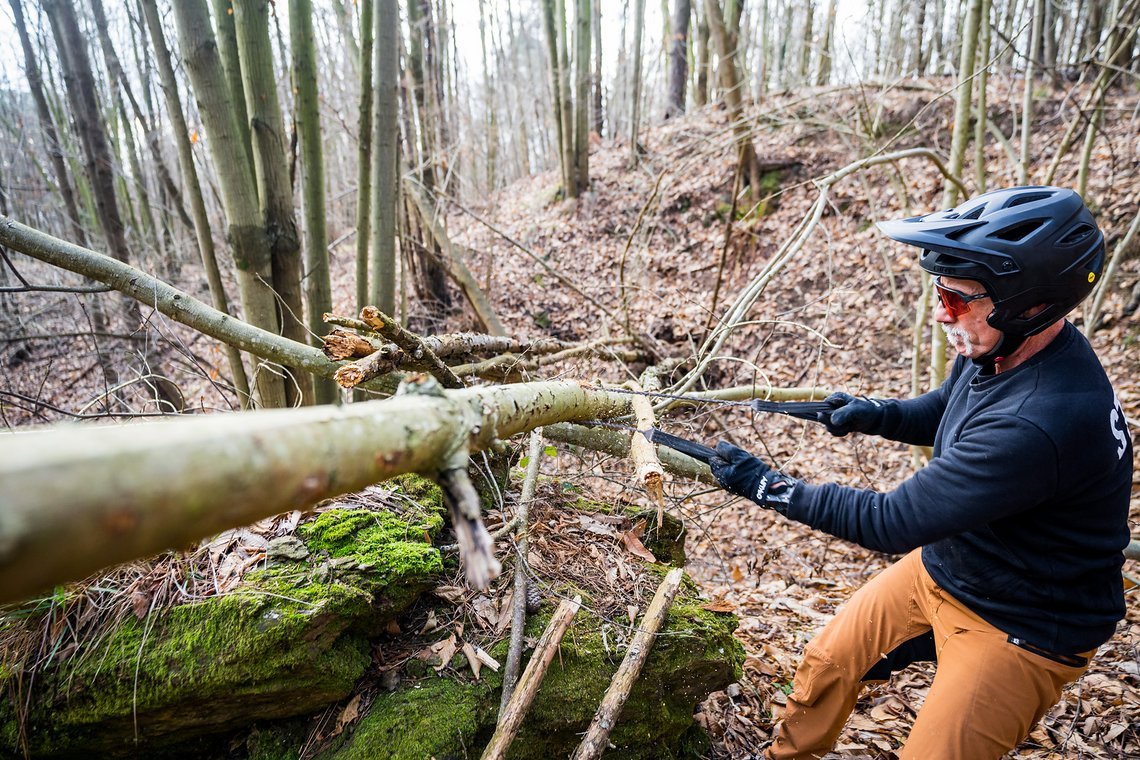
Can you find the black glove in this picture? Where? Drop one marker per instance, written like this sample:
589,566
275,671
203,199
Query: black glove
740,473
852,415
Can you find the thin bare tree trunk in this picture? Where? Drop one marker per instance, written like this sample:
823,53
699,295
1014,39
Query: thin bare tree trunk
194,190
274,189
318,288
384,156
635,98
1027,97
220,107
80,85
678,59
364,155
550,28
582,94
43,113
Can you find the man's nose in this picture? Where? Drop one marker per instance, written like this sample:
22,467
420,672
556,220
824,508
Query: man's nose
941,314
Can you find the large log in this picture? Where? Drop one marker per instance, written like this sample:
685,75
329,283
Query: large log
76,500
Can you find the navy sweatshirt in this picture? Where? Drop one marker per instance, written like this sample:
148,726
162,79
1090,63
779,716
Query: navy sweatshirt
1022,515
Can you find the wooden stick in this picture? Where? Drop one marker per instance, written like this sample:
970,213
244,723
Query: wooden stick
518,611
531,679
597,736
648,472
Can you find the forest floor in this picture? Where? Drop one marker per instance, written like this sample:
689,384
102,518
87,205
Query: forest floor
839,316
646,249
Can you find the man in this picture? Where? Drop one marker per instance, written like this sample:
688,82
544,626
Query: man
1015,529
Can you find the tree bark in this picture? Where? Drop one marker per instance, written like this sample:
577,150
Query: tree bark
551,30
582,94
384,152
221,109
635,97
678,59
731,86
318,287
77,500
201,220
364,155
274,189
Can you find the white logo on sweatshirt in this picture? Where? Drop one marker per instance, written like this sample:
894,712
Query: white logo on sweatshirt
1119,427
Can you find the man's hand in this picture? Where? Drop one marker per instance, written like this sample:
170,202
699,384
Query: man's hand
740,473
851,415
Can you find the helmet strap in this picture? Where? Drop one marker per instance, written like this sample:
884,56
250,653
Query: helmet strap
1004,348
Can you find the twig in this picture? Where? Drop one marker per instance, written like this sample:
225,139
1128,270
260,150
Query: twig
518,610
597,736
411,344
349,322
531,679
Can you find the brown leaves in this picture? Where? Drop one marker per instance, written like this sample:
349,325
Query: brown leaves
631,540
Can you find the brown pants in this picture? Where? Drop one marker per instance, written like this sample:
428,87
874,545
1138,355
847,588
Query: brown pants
986,696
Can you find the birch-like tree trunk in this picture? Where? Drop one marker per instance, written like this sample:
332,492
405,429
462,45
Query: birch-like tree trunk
201,219
221,108
385,134
678,59
274,189
582,94
318,288
364,154
47,125
78,500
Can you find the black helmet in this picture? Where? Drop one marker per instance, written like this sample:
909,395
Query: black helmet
1025,245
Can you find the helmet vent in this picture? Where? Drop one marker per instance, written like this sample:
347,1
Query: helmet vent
974,213
1021,200
1018,231
1076,235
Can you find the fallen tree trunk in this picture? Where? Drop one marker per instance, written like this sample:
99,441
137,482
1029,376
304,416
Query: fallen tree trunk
77,500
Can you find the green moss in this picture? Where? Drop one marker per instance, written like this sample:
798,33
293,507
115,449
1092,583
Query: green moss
437,717
423,492
291,639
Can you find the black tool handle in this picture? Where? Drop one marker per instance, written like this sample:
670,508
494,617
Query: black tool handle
697,451
813,411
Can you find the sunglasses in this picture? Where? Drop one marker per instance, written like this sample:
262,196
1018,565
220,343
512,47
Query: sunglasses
956,302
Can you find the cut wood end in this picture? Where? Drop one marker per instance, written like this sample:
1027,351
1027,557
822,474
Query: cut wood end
370,315
348,376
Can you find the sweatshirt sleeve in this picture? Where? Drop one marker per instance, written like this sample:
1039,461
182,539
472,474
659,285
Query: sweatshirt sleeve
915,421
987,475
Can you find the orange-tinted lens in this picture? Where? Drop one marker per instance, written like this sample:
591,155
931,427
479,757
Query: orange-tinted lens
955,302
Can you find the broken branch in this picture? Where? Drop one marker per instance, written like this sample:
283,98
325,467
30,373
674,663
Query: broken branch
597,735
531,679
